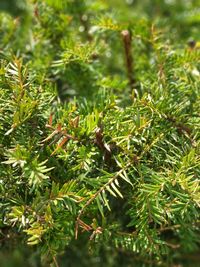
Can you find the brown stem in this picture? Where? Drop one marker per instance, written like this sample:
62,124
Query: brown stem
181,127
55,262
99,142
127,40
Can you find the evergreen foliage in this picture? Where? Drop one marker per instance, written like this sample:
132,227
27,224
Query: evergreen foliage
99,131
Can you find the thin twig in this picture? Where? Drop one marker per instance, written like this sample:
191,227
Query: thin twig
127,40
93,198
55,261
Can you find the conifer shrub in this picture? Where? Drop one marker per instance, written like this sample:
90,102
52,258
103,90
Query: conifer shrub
99,134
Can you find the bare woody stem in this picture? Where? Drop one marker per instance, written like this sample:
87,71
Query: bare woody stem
127,40
55,262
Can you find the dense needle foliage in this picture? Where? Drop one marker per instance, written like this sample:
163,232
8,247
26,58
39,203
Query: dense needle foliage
99,132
